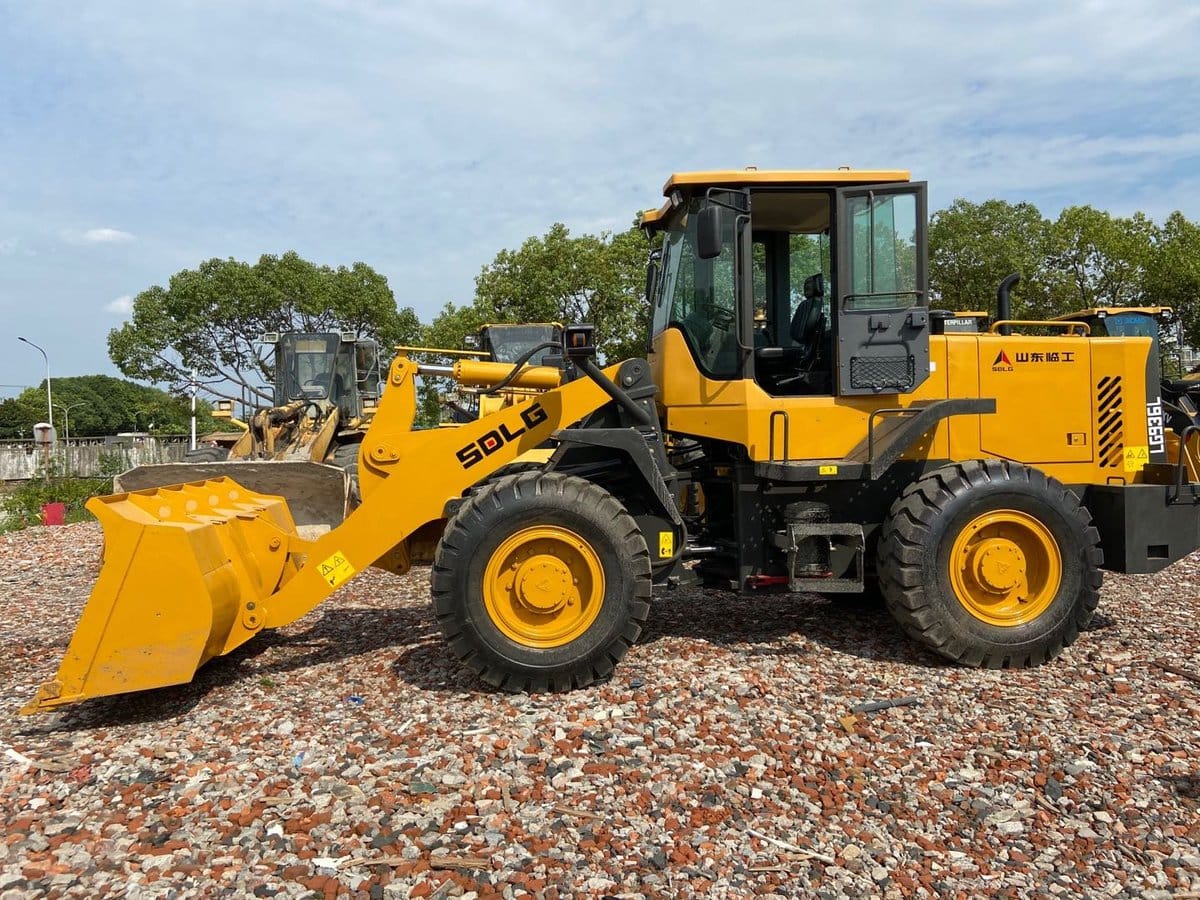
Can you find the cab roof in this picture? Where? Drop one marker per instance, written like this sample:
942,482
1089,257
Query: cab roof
1165,313
688,182
751,175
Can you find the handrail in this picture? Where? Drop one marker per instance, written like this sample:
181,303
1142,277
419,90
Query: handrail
787,428
439,351
1082,328
1181,466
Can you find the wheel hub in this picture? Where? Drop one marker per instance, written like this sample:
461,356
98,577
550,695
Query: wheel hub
998,565
1005,567
543,584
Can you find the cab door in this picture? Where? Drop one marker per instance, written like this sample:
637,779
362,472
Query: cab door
882,316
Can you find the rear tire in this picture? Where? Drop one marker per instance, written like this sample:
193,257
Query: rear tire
345,456
541,582
990,563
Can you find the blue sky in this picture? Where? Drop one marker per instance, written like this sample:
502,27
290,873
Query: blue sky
137,139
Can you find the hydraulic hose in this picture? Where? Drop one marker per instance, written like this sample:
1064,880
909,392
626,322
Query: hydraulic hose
521,361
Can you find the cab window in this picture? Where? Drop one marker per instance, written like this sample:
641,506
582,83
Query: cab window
883,251
698,295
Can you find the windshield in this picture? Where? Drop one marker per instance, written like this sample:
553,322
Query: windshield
509,342
1129,325
698,295
304,366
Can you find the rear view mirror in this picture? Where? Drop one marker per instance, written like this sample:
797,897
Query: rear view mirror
651,279
708,233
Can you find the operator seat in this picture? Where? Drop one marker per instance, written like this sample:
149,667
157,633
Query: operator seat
808,321
807,331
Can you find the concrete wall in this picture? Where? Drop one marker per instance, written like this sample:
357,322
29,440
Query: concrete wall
21,459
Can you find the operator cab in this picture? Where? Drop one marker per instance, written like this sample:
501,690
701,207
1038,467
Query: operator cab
808,283
1123,321
508,343
307,367
326,369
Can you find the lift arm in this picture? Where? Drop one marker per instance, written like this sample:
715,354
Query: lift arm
193,571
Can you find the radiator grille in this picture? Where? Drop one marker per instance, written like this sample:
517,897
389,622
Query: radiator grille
1110,422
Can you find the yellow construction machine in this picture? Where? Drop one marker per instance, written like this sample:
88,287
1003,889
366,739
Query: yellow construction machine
981,477
477,371
305,445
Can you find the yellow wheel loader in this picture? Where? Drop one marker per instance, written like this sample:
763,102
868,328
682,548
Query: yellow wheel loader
305,445
983,478
474,376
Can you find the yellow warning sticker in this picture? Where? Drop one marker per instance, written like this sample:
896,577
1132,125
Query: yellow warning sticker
336,569
666,544
826,470
1136,457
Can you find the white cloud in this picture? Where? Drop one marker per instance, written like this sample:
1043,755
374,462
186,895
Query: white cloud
106,236
123,305
14,247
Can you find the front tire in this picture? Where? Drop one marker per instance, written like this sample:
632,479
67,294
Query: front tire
990,563
541,582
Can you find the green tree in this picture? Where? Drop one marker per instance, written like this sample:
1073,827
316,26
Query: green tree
1172,277
102,404
446,332
209,318
974,246
1099,259
19,414
599,279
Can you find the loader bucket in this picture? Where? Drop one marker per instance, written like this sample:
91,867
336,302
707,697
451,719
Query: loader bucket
317,494
185,571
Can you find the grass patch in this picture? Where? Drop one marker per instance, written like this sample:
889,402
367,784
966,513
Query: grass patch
21,506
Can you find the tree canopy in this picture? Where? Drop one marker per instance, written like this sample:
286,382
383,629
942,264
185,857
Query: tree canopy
558,277
567,278
102,404
973,246
209,318
1086,257
1172,277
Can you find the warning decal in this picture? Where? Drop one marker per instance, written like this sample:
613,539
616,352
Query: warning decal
336,569
1136,457
666,544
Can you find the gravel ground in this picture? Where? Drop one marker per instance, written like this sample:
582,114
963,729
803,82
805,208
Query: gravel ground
347,754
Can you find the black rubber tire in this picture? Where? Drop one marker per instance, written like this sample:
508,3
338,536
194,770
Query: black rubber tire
914,552
516,468
345,456
477,530
206,454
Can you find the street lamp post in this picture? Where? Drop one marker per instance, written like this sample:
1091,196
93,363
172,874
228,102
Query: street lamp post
66,411
49,403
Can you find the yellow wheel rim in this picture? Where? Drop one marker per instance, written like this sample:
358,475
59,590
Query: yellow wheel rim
543,586
1005,567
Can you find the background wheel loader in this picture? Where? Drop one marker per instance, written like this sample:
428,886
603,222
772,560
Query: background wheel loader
303,447
473,395
983,477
